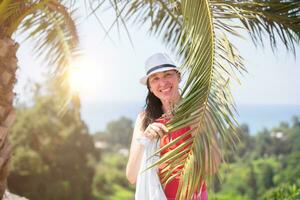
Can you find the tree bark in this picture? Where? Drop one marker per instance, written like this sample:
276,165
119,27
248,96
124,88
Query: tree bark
8,67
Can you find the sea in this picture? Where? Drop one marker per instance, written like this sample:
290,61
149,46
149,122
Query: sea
257,117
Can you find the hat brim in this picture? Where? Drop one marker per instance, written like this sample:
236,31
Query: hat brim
144,79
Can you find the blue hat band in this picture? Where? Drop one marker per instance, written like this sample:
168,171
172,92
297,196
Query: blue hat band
160,66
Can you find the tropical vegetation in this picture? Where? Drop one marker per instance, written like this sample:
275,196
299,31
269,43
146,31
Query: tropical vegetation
50,24
57,157
53,156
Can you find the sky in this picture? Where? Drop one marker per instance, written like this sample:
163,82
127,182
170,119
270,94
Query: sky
272,79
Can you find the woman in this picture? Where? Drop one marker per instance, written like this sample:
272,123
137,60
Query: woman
162,80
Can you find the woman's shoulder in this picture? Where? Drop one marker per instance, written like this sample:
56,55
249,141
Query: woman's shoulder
141,115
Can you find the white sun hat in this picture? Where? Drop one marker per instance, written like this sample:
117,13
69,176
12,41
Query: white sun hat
158,62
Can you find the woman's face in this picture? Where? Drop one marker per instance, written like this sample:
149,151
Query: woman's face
164,85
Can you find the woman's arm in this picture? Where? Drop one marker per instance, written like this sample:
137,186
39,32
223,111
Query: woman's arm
136,151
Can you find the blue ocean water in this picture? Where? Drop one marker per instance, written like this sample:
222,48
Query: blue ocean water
257,117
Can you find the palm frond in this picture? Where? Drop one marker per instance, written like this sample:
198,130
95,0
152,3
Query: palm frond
276,19
48,22
207,105
203,106
163,17
54,31
18,11
51,26
9,12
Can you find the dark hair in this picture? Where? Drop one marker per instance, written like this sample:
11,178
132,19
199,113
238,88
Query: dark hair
153,108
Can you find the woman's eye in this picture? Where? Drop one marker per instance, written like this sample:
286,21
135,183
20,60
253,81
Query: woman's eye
154,79
168,75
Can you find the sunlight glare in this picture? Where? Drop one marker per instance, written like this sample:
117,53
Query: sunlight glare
84,76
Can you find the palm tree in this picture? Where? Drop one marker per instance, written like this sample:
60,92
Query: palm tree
197,30
52,27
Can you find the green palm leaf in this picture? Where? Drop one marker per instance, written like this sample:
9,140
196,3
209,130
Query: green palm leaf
200,63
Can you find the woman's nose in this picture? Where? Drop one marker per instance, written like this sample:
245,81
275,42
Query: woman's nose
163,81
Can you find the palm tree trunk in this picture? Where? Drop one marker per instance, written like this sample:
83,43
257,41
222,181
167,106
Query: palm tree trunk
8,66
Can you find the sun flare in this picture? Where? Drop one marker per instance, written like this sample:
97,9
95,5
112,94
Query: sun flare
84,76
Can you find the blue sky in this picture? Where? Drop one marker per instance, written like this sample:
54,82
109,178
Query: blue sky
272,78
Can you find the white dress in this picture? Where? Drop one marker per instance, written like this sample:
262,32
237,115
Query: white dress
148,186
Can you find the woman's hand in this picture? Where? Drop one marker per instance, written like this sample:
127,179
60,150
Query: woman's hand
137,149
155,130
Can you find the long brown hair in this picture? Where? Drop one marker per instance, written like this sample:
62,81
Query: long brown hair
153,108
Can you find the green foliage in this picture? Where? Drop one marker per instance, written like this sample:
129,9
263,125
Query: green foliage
120,193
52,154
117,135
235,180
290,169
110,182
283,192
227,196
261,163
252,182
244,145
55,158
120,132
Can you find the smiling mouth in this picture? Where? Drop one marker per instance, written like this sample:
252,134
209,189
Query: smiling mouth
166,90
